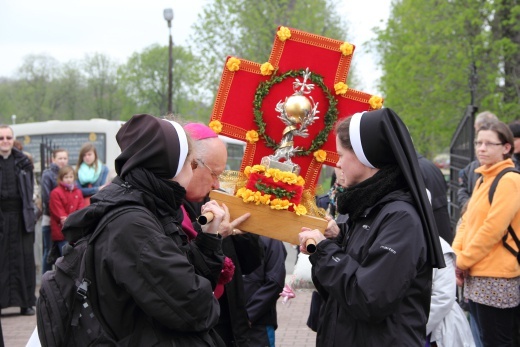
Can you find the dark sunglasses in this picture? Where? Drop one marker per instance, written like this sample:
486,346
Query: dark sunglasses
6,138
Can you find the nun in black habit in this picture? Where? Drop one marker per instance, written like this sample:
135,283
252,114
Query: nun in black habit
375,277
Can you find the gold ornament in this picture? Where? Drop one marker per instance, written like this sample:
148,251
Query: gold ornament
297,107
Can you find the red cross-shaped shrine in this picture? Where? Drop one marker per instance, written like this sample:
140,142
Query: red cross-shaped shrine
233,112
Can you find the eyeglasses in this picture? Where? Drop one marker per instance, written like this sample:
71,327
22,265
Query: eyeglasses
213,174
8,138
487,144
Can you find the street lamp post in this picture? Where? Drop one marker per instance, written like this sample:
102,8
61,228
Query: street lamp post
168,16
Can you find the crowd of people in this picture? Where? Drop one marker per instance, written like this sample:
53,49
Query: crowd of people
385,270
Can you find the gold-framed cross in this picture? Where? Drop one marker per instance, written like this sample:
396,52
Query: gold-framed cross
239,96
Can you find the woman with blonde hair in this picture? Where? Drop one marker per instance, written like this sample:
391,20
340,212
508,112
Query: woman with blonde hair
489,271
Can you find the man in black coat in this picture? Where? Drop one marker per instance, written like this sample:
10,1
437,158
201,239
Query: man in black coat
17,221
262,288
242,248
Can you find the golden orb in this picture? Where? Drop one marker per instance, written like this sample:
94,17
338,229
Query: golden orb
297,107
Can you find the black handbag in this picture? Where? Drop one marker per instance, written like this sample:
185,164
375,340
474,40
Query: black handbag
54,253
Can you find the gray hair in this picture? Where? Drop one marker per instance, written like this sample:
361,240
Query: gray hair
202,147
484,117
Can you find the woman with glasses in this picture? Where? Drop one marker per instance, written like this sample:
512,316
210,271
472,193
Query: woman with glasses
490,272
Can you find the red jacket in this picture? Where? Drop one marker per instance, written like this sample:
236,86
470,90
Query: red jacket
63,202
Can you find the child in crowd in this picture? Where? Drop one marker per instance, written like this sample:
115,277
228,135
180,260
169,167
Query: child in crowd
65,199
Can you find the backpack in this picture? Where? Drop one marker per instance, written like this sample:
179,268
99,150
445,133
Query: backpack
509,228
64,311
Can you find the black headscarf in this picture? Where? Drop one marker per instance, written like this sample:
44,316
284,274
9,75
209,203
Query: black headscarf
158,145
380,138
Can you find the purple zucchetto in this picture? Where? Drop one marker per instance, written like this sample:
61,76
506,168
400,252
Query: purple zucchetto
199,131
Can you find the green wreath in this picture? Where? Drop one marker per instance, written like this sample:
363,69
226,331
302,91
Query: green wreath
330,117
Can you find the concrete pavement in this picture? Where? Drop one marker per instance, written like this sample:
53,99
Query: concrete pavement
292,317
292,329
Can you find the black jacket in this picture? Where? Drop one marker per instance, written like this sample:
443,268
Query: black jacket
436,184
467,180
375,279
246,253
149,291
23,170
49,181
263,286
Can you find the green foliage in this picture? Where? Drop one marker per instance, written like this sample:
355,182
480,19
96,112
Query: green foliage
102,86
144,79
277,192
7,106
246,29
438,57
330,117
97,87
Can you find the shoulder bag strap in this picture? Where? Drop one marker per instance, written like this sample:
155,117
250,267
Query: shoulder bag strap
509,228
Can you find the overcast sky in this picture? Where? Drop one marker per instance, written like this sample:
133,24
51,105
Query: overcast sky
69,29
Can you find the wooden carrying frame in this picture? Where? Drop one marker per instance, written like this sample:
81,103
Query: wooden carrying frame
277,224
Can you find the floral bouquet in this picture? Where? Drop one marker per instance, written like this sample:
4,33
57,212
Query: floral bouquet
281,190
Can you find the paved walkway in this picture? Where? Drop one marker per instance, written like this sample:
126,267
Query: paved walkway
292,317
292,330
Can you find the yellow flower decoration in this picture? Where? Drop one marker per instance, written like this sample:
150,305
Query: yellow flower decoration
300,181
253,169
216,126
320,155
258,168
346,48
240,192
376,102
283,33
257,197
233,64
252,136
300,210
340,88
264,199
246,195
290,178
279,204
267,69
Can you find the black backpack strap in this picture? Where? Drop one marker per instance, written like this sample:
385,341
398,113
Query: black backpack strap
87,272
509,228
515,238
497,179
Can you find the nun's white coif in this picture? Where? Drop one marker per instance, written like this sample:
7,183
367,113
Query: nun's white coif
380,138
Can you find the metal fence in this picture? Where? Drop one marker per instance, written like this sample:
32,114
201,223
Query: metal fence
46,148
462,153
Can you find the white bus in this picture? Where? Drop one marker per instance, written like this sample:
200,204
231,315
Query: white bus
70,135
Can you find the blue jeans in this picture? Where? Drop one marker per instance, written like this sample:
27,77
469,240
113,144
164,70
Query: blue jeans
474,330
46,247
